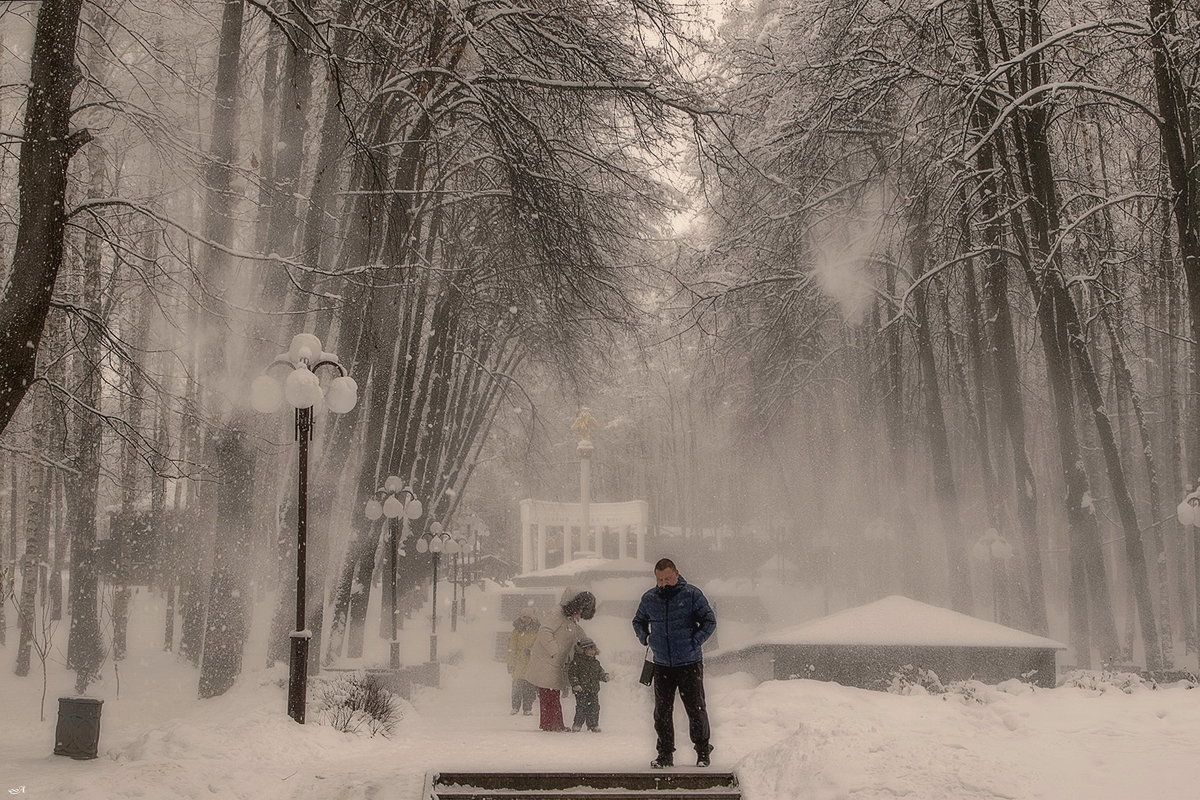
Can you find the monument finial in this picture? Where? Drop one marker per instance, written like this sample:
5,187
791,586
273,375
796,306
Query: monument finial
585,423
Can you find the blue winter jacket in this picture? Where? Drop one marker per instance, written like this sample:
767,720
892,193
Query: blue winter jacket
676,620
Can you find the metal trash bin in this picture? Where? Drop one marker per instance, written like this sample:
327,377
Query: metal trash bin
78,731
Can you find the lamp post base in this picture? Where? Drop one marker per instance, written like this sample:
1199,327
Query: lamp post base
394,660
298,676
433,647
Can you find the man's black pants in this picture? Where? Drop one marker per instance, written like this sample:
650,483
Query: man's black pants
689,680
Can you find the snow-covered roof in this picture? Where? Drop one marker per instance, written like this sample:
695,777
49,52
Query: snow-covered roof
775,564
593,565
897,620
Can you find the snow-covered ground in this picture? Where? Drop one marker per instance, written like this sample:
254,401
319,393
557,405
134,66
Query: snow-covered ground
789,740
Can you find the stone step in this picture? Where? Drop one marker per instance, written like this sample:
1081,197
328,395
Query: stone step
583,793
656,785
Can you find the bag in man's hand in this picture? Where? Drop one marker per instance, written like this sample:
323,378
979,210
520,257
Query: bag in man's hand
647,676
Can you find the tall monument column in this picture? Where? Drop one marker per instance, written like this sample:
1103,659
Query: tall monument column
584,424
585,494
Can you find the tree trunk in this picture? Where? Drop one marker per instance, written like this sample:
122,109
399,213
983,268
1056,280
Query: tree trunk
331,144
129,518
1125,383
976,406
85,647
295,94
939,444
190,552
46,148
893,417
58,562
266,142
1003,338
229,590
1177,485
975,409
1036,172
211,346
37,530
377,354
7,551
1180,144
1122,497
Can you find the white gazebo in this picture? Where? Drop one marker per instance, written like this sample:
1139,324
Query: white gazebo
625,522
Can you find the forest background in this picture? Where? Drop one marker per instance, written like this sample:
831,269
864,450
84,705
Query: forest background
903,294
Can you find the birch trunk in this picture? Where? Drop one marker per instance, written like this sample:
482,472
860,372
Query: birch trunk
37,529
84,647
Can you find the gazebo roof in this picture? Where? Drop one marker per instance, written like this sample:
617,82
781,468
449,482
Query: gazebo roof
901,621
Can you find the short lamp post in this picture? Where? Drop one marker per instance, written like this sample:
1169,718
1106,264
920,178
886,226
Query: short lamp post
824,548
474,530
1188,513
880,537
435,541
302,390
398,504
993,548
456,545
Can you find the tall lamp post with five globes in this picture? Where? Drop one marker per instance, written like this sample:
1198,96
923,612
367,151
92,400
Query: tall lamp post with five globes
302,389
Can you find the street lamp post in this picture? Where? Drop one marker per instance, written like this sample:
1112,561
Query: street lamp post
398,504
994,548
471,561
472,528
455,546
453,592
1188,513
478,532
879,537
434,542
302,390
823,549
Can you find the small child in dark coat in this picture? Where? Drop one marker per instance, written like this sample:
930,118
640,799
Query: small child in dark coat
586,674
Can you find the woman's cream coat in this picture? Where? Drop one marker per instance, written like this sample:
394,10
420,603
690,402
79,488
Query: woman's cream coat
554,646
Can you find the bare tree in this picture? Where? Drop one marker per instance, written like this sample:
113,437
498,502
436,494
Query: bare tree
46,148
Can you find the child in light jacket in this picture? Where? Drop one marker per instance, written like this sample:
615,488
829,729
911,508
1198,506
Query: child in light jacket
520,643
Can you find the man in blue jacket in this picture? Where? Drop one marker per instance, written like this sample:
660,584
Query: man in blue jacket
676,619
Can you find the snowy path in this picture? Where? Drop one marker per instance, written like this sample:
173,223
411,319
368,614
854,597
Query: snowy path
466,725
789,740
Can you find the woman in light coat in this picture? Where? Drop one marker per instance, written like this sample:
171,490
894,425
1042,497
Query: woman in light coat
553,648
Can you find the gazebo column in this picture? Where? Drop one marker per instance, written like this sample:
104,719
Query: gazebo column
622,541
541,547
527,547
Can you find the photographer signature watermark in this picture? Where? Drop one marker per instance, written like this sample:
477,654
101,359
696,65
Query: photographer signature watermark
18,790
